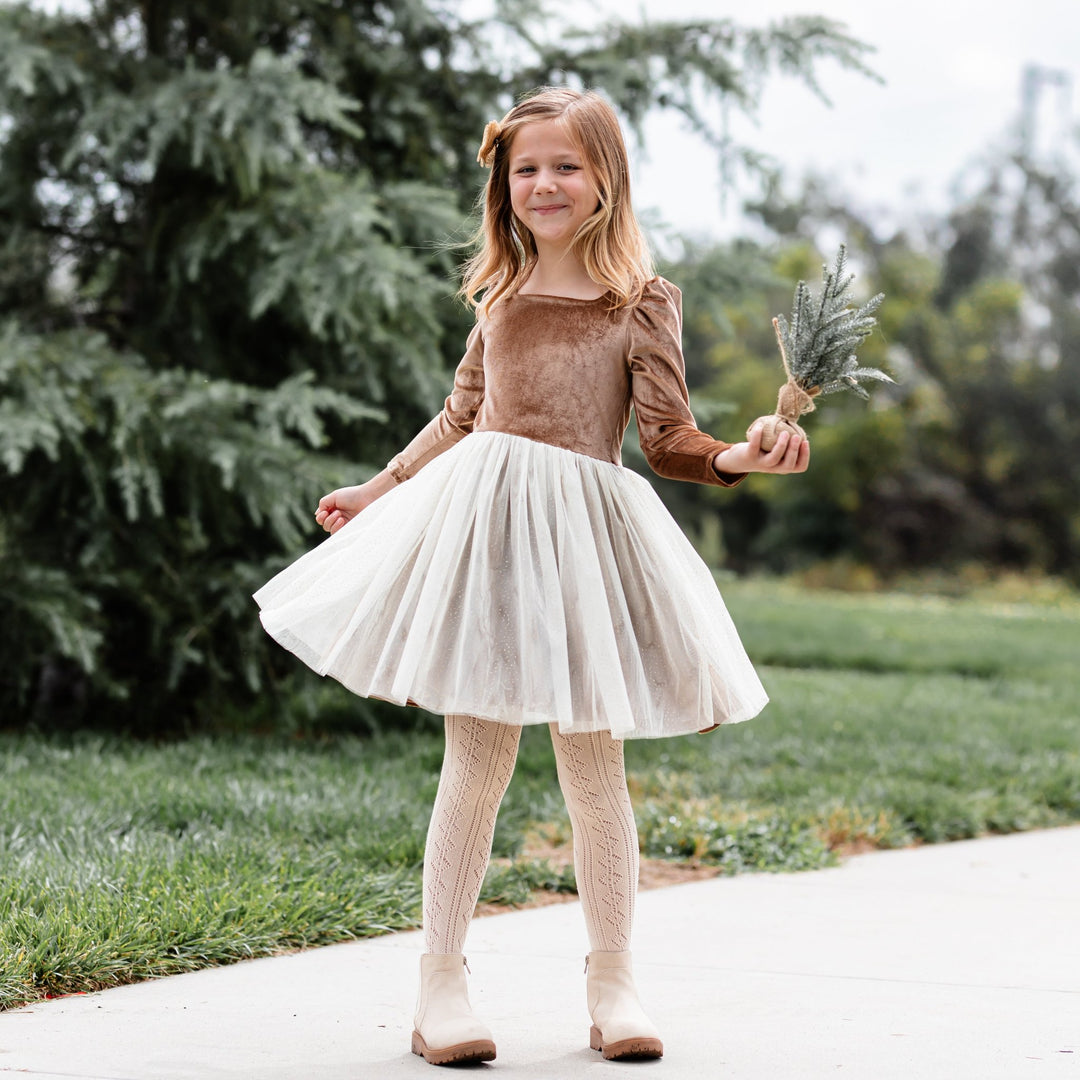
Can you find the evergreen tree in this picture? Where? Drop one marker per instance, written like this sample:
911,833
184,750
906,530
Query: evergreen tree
222,227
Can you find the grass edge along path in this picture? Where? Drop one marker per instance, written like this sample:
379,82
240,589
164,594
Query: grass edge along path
894,720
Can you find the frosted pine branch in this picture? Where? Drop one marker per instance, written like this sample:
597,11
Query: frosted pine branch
818,345
818,348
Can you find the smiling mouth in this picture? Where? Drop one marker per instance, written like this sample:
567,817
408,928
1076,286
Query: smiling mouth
547,209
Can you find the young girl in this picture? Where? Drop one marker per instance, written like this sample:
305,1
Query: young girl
506,570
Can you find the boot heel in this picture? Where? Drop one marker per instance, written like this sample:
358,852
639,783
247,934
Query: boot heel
418,1046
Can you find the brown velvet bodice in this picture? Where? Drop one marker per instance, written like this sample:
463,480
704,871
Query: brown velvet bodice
567,372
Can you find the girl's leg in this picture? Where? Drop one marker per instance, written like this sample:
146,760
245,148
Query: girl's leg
593,780
477,766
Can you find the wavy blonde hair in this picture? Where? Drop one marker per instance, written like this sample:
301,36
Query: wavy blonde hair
610,243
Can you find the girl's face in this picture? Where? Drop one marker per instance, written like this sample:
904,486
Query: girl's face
550,188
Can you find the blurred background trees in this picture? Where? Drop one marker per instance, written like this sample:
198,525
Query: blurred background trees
227,259
226,284
971,459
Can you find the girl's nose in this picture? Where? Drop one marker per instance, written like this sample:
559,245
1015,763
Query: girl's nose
545,180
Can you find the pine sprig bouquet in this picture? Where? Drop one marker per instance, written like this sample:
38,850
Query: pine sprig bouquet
818,349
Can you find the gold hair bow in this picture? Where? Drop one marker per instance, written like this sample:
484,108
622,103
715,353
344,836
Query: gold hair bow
486,156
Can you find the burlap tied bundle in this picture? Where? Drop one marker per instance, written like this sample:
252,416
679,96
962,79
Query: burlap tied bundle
791,403
817,349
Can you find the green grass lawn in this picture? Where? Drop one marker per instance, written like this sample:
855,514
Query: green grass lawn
894,720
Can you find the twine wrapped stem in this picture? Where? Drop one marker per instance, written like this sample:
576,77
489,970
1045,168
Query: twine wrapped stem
792,401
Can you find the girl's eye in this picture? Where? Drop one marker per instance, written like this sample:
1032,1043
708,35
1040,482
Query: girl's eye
565,167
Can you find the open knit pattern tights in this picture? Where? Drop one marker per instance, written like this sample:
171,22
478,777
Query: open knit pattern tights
477,767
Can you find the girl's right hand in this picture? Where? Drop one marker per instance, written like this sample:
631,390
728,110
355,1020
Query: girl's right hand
341,506
791,454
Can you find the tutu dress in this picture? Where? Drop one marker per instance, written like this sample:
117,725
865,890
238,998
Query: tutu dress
521,574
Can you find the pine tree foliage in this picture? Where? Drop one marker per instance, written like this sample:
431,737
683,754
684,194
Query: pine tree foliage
673,64
243,126
223,255
819,342
130,496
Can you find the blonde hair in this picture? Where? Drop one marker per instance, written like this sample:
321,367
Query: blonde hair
610,243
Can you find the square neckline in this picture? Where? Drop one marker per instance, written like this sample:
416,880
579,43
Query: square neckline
570,299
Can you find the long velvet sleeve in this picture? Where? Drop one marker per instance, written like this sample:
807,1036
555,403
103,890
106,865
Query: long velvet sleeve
674,446
456,419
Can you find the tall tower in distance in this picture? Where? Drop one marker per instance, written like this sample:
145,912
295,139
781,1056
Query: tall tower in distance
1045,112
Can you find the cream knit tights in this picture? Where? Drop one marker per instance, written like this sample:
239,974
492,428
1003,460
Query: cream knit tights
593,781
477,767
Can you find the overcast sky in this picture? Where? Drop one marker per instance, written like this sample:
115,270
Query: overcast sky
952,71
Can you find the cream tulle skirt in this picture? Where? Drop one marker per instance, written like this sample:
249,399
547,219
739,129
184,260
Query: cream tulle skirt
523,583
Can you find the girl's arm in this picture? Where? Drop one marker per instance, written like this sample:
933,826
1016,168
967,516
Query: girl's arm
456,419
450,426
673,444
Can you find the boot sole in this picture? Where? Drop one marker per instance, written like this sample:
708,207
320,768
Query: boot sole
476,1050
625,1049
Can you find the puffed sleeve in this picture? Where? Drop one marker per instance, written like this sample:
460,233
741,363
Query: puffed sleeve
674,446
456,419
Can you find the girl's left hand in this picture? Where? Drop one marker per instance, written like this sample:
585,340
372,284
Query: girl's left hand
791,454
341,506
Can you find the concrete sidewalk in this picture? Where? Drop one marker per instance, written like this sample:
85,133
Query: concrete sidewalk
958,962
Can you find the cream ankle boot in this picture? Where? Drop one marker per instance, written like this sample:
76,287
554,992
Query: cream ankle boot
445,1029
620,1027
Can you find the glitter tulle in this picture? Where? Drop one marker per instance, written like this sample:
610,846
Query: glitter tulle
522,583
